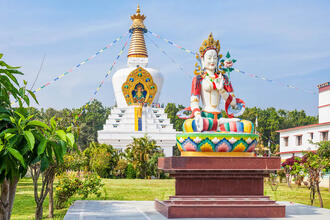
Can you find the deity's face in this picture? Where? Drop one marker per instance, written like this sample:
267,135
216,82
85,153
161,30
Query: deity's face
210,60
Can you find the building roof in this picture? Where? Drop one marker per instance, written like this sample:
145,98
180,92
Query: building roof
323,85
302,127
293,152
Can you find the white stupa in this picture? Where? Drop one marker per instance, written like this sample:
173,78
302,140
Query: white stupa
137,89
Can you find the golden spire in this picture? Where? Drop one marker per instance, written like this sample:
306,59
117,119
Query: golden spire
137,47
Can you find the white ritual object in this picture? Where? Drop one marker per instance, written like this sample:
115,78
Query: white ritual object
137,89
293,141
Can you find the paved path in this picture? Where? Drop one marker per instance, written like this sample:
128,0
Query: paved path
144,210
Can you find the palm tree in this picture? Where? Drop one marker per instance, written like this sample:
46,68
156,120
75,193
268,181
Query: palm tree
140,152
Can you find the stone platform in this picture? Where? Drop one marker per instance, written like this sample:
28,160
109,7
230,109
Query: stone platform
210,187
144,210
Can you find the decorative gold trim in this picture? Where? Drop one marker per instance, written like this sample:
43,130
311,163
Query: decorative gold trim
139,75
136,55
216,154
208,44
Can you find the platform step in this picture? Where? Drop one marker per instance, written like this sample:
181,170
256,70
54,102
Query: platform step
219,197
220,207
217,202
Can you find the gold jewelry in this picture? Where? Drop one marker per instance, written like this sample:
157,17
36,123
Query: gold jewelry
208,45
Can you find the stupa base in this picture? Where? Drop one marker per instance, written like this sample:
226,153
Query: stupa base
219,187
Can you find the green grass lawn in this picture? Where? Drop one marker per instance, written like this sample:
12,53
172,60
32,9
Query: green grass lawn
136,189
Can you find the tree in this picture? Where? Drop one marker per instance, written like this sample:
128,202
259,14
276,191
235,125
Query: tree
92,118
171,110
90,122
64,118
270,120
16,145
141,154
315,166
53,144
324,152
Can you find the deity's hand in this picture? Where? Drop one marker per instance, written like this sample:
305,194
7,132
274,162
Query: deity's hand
219,83
199,122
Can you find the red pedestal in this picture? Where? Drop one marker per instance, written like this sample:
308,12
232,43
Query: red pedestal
215,187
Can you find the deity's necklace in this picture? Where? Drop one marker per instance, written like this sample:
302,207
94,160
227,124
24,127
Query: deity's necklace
210,78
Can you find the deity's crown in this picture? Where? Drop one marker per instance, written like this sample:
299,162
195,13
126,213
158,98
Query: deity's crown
209,44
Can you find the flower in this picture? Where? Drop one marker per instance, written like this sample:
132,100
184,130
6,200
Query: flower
228,63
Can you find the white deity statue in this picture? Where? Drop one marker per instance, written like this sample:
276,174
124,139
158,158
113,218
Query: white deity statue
210,86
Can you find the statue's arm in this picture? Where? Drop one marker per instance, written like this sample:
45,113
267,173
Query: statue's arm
195,94
226,90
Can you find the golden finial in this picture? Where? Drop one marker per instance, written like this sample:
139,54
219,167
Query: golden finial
138,19
208,44
138,9
137,47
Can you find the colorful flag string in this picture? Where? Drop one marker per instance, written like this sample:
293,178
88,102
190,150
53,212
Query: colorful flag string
237,70
78,65
106,76
172,43
166,54
273,81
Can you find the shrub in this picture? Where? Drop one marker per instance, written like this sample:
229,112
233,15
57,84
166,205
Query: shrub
102,159
120,169
74,162
71,183
153,170
293,168
130,171
100,162
68,183
91,184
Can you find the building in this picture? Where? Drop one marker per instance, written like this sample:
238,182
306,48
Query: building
293,141
137,89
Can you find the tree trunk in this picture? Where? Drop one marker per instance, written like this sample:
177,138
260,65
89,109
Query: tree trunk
312,188
4,202
12,192
51,199
39,211
8,190
47,177
288,180
319,194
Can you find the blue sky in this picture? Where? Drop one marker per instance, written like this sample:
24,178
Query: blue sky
287,41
